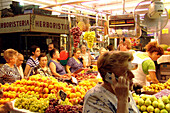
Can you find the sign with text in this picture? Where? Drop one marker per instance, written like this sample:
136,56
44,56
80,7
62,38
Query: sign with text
34,23
49,24
15,24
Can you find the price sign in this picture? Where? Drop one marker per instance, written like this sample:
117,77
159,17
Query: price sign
74,80
63,95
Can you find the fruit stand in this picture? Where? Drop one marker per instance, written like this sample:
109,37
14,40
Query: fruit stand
42,94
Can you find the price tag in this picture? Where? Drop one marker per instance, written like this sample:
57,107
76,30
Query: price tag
63,95
74,80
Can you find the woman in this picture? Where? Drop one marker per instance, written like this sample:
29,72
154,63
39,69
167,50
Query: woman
74,62
32,60
124,45
146,65
56,68
113,95
87,56
9,72
42,68
101,51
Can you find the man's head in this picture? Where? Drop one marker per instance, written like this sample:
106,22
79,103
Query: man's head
50,46
20,59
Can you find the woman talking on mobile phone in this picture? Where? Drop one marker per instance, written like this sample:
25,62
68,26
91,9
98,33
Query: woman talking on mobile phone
113,95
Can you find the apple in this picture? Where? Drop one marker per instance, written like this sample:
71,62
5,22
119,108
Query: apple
161,105
168,49
72,95
157,110
140,101
138,107
45,90
155,104
73,90
32,88
45,95
45,85
169,96
153,98
164,111
167,107
143,108
150,108
147,102
50,87
165,99
36,89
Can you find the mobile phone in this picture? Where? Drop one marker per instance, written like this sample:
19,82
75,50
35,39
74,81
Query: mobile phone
108,77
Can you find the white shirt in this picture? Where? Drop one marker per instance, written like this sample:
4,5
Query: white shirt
20,70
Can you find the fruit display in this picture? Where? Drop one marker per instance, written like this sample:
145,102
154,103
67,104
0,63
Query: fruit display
157,87
56,107
90,37
76,32
151,104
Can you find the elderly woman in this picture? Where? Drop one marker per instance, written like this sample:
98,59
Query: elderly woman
9,72
42,68
113,95
56,68
74,62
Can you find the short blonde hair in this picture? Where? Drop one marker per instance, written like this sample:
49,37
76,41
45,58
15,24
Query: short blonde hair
113,61
10,53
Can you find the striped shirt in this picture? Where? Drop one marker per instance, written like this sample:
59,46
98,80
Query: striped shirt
31,62
8,74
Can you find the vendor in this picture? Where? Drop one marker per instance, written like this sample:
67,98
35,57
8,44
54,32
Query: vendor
56,68
74,62
101,51
146,65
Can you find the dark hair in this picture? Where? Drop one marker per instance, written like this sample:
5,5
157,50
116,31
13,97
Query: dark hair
110,47
33,49
42,55
52,52
75,50
154,47
61,48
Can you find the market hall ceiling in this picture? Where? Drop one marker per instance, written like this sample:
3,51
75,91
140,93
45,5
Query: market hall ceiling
95,5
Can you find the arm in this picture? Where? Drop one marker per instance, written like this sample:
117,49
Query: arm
68,68
52,67
84,62
26,71
153,77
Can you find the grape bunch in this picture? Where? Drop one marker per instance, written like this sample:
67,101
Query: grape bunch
75,31
90,37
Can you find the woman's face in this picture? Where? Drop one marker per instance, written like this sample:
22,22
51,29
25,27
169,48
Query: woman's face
43,61
56,55
123,47
154,56
77,54
37,52
102,51
83,48
13,60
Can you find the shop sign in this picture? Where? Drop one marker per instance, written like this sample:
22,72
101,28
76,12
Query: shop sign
34,23
15,24
49,24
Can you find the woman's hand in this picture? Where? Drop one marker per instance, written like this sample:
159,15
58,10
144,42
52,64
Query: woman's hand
121,87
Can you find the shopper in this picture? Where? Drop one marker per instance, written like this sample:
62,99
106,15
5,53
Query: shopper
8,72
102,50
74,62
32,60
56,68
87,56
42,68
19,62
113,95
146,65
50,47
124,45
63,56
